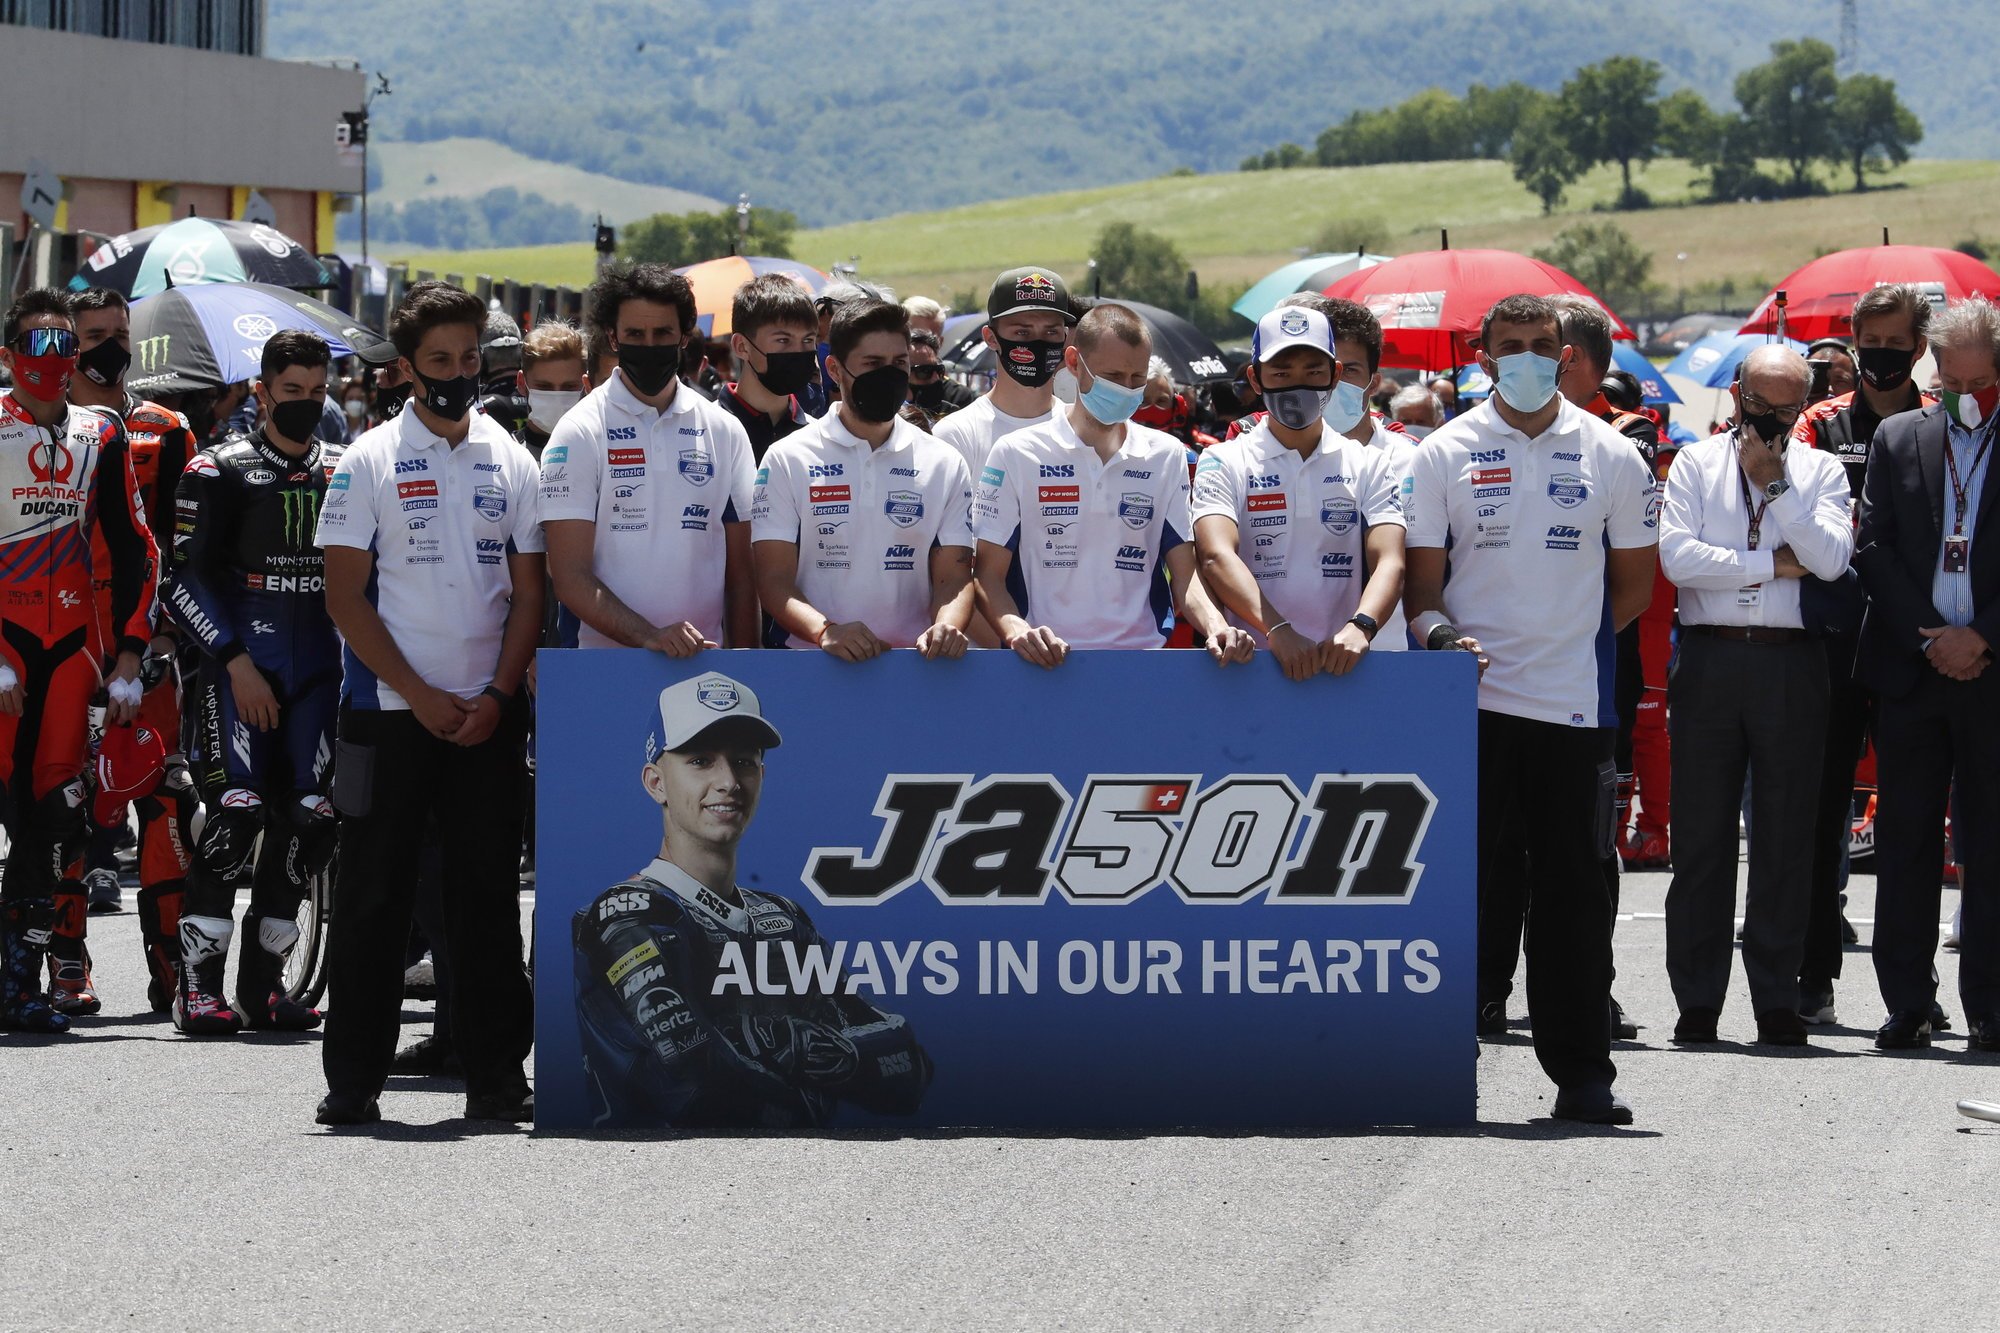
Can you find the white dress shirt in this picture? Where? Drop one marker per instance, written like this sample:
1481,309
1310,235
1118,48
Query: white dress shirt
1705,534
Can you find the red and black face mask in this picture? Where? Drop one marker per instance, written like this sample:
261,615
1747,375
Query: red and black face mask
1168,418
44,360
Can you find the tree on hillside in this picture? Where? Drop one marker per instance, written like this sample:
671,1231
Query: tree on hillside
1140,265
677,239
1493,115
1788,100
1542,157
1689,127
1872,130
1612,109
1603,257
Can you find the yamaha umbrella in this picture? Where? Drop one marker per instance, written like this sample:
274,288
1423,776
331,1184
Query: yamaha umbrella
193,251
205,337
1820,297
1314,273
1712,361
1431,303
715,282
1191,355
1653,386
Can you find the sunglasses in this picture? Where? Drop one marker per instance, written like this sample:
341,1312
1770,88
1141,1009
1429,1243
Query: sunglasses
924,374
45,342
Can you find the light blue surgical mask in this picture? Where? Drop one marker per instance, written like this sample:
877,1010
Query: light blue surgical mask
1526,381
1109,403
1344,409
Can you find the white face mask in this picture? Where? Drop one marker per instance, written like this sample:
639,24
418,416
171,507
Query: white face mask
546,406
1064,385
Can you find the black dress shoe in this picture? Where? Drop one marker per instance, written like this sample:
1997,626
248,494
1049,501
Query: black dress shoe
432,1055
348,1108
1591,1106
1906,1031
1623,1028
1492,1019
1697,1025
1940,1020
1985,1035
1781,1027
511,1104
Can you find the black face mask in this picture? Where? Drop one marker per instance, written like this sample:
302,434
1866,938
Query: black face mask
785,373
389,400
929,396
105,363
878,395
1769,427
1887,368
450,399
296,420
1030,364
650,369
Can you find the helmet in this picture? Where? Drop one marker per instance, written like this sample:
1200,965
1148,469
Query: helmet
130,763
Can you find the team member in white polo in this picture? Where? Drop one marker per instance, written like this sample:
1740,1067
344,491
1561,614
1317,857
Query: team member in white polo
434,578
1028,319
1544,518
1300,529
646,487
1095,507
860,524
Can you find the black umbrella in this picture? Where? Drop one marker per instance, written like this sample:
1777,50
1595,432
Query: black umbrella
1190,354
193,251
205,337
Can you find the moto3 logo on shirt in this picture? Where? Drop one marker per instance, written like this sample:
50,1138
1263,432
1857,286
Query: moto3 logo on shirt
1001,840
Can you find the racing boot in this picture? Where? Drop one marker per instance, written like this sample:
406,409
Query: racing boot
199,1007
23,1005
71,989
159,934
260,986
1640,850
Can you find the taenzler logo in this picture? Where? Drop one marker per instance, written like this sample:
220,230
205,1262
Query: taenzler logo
301,517
1353,838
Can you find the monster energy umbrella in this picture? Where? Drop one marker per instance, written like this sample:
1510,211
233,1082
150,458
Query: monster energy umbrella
204,337
195,251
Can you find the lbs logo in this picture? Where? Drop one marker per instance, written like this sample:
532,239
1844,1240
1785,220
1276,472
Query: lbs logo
1353,838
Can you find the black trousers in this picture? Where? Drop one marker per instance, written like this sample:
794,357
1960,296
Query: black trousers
1941,729
1848,713
1755,709
475,794
1552,788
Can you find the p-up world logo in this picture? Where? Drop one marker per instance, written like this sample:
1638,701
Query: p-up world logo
1001,840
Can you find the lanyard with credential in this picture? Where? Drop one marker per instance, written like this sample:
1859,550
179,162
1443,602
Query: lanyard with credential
1754,510
1958,487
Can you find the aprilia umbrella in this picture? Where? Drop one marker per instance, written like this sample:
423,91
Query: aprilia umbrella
204,337
193,251
1191,355
1431,303
1820,297
1314,273
716,280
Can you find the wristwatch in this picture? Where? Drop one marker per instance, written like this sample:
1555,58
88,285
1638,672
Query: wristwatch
1369,624
1776,489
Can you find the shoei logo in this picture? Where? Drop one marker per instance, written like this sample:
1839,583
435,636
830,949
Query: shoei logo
1008,840
717,693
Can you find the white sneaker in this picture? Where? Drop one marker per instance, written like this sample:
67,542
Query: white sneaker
1957,920
1817,1008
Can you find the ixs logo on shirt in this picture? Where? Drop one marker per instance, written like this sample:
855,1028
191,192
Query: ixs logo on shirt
1013,839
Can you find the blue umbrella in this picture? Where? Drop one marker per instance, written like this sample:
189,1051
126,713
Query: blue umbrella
1653,386
1314,273
1711,361
214,334
1473,383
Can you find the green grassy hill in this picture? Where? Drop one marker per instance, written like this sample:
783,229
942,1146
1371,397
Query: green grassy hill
1234,227
470,167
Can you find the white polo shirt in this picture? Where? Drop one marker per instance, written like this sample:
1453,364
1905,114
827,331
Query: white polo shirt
440,522
1525,524
1301,523
974,429
1399,454
659,486
1089,538
864,520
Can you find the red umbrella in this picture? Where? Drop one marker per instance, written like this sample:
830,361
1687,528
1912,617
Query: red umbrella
1431,303
1820,297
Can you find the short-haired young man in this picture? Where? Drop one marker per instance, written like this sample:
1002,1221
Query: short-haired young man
63,469
861,521
773,337
553,374
249,594
434,578
646,488
1095,509
1028,320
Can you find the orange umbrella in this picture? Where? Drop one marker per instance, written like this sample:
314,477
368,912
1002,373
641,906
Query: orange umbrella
716,281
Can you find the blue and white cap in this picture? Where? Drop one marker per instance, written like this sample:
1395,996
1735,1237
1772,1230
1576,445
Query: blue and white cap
691,707
1291,326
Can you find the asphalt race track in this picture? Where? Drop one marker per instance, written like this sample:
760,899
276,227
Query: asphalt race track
149,1182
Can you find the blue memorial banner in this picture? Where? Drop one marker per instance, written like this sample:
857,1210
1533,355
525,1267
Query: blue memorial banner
1138,891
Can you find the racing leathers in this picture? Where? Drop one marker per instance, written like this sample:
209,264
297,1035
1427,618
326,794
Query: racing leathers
59,484
661,1046
247,582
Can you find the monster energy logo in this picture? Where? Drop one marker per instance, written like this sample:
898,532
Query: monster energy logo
151,353
301,517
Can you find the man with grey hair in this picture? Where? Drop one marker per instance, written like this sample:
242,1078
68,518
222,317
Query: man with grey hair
1745,520
1930,558
1417,410
924,314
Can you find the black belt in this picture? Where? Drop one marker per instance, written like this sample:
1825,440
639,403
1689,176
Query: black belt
1748,633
